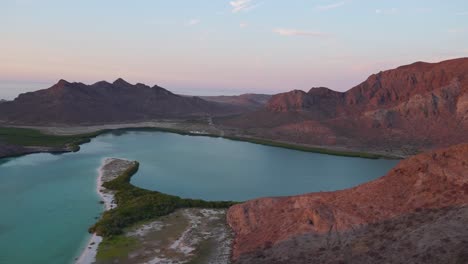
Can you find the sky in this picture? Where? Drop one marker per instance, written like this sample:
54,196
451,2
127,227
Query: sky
222,46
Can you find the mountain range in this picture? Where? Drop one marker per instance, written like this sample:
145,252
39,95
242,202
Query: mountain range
421,105
410,108
68,103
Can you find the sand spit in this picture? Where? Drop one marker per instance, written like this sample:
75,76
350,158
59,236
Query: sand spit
110,169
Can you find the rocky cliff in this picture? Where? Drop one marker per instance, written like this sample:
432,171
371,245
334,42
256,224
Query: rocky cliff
414,214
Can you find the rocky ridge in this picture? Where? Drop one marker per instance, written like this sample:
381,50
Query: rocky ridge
414,214
418,106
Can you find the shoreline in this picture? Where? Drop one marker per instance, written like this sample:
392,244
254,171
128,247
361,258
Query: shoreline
100,130
89,253
148,207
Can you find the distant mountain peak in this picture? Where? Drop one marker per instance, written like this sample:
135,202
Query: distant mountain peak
296,91
121,82
101,83
60,85
142,85
315,89
62,82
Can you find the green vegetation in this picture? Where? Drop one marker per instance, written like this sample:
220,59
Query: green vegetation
158,129
137,204
116,247
272,143
32,137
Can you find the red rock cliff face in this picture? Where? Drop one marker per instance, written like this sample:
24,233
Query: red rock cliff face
431,181
392,87
321,101
416,98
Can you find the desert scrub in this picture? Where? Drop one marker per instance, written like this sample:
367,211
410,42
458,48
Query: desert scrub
32,137
115,247
326,151
137,204
268,142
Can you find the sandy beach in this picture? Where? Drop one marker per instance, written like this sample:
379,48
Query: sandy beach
110,169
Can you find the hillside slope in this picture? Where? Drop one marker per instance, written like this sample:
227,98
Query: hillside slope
414,214
245,101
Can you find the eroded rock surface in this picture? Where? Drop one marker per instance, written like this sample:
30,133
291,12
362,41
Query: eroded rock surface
414,214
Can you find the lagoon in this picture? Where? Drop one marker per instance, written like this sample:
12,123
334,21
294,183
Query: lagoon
49,201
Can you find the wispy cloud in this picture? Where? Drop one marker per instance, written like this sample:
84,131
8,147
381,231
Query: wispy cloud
390,11
193,22
296,32
330,6
243,5
243,25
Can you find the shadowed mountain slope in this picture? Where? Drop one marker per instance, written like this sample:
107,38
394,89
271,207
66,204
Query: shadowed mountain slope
103,102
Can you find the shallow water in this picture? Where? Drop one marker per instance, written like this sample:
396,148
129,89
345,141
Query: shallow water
49,201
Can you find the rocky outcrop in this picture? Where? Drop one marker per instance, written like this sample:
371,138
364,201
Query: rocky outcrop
414,212
323,102
76,103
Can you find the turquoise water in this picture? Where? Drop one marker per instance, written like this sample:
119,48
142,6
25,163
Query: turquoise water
49,201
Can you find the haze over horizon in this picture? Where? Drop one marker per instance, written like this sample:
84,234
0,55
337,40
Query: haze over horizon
223,47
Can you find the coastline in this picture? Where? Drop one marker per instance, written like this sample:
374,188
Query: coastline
199,224
90,251
178,128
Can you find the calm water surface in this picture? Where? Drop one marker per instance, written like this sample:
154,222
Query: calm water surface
49,201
